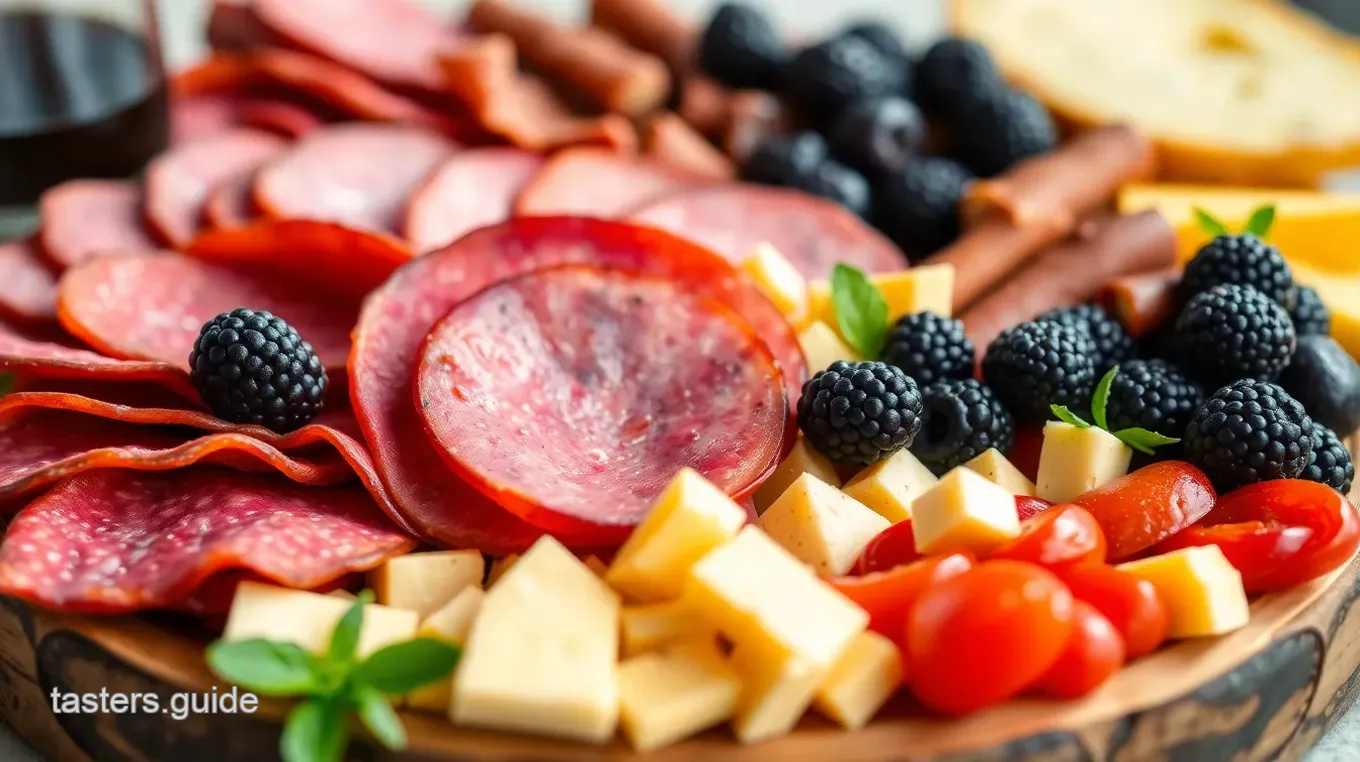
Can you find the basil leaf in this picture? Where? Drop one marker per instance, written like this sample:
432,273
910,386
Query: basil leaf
1101,398
345,637
403,667
264,666
1260,221
861,312
376,712
1144,441
1067,416
315,731
1208,224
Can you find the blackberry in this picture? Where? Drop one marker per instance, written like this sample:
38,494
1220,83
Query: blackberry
918,206
878,136
1330,463
1326,379
835,181
996,132
825,78
1152,395
880,35
1034,365
860,412
1311,317
929,348
1249,431
954,74
1242,260
252,367
1113,343
741,48
961,420
1231,332
782,159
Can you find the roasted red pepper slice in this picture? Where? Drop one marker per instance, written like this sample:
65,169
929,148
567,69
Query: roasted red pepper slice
889,595
1058,538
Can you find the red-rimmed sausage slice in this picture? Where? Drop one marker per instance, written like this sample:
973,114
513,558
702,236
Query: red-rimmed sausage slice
472,189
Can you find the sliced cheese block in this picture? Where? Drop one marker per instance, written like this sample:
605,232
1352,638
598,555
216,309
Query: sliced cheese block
803,459
1203,593
451,624
541,656
1076,460
779,280
690,518
891,485
651,626
822,346
422,582
867,675
668,696
928,288
308,619
964,512
499,567
995,468
775,693
821,526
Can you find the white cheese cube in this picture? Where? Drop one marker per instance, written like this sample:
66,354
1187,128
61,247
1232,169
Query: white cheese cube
651,626
775,692
422,582
451,624
1074,460
779,280
308,619
891,485
821,526
995,468
1203,593
964,512
668,696
802,459
867,675
821,346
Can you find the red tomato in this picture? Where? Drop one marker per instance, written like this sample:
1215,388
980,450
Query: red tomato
1149,505
889,595
1094,652
1278,534
1132,605
985,635
1028,507
1057,538
891,548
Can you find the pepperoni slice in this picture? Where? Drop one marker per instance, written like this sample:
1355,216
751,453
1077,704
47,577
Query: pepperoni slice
358,175
279,117
398,316
229,205
45,360
179,180
28,289
813,233
473,189
121,541
598,183
198,117
82,219
152,308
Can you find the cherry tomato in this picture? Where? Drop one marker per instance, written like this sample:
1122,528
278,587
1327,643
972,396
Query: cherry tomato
1278,534
1094,652
889,595
1145,507
1132,605
891,548
1057,538
985,635
1028,507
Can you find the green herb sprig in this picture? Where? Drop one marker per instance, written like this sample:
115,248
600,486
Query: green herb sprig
1258,224
335,685
861,310
1142,440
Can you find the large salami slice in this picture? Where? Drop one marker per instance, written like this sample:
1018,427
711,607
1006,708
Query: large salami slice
119,541
28,290
594,182
230,204
152,308
813,233
199,117
473,189
358,175
398,317
82,219
48,360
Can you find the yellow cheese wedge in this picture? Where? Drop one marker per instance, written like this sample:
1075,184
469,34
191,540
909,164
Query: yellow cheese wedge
1202,591
867,675
422,582
928,288
499,567
668,696
821,526
779,280
541,656
964,512
891,485
775,693
803,459
308,619
819,302
451,624
651,626
1076,460
822,346
995,468
690,518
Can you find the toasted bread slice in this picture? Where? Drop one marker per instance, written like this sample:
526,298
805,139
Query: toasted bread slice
1251,92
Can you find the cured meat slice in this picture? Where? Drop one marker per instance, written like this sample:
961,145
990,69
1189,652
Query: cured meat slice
280,117
152,308
45,359
232,25
120,541
198,117
398,316
813,233
598,183
179,180
628,377
28,289
229,205
358,175
87,218
472,189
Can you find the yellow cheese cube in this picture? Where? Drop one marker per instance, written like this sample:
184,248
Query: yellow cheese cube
690,518
648,627
964,511
891,485
308,619
761,596
778,280
803,459
499,567
821,526
1074,460
820,306
541,656
668,696
994,467
422,582
822,346
451,624
928,288
775,692
867,675
1202,591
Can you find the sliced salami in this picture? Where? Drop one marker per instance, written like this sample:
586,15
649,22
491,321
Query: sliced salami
594,182
49,360
229,205
28,289
813,233
82,219
121,541
200,116
179,180
398,316
358,175
279,117
472,189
